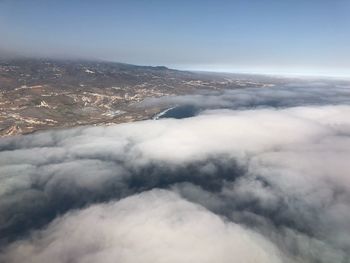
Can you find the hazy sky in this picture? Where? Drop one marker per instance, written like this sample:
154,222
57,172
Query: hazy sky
296,36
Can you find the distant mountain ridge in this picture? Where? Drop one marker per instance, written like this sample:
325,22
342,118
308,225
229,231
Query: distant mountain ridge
75,73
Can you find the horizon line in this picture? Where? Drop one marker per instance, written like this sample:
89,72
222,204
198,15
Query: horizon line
260,72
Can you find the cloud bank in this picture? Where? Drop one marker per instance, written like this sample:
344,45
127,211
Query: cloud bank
155,226
290,94
263,184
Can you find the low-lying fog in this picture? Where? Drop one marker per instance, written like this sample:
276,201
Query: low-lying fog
257,175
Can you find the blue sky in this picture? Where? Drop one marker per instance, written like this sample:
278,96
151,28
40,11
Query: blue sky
282,36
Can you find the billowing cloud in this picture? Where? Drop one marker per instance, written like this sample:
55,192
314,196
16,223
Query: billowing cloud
264,183
155,226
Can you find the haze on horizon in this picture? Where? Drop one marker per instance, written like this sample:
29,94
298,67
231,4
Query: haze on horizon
302,37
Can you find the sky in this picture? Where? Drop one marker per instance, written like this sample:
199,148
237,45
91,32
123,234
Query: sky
290,36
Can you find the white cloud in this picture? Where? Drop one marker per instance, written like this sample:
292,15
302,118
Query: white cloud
282,173
156,226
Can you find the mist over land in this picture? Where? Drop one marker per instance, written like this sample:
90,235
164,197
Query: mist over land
257,174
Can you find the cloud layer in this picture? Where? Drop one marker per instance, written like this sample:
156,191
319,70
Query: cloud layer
254,185
290,94
155,226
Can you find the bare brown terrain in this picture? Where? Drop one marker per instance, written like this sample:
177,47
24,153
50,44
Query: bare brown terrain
41,94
